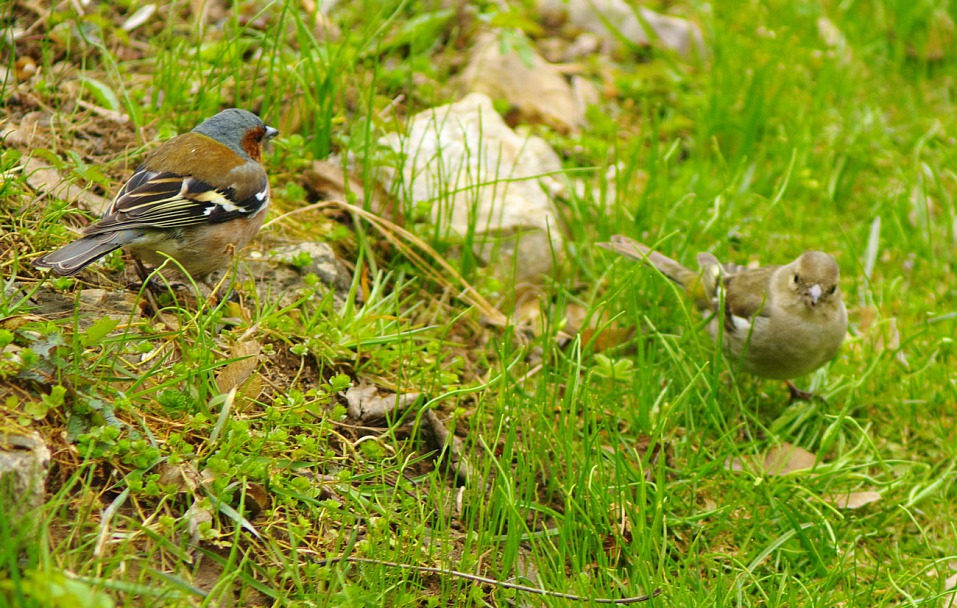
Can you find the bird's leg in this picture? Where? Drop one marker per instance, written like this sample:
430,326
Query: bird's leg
799,395
150,284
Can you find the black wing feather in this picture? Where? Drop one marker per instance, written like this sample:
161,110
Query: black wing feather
168,200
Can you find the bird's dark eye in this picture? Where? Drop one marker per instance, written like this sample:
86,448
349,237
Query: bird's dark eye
831,291
796,279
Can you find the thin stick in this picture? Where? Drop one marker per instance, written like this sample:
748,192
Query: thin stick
491,581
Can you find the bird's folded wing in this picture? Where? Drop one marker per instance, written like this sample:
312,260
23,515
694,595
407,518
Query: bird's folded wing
167,200
747,291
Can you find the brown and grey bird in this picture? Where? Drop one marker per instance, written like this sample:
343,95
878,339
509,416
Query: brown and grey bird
779,322
198,198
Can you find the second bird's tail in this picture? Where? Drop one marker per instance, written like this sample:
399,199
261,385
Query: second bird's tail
698,287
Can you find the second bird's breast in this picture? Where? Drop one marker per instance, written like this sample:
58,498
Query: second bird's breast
788,348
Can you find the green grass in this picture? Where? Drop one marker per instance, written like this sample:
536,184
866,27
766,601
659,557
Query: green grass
601,461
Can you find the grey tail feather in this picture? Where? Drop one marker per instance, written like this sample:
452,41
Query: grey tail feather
71,258
642,253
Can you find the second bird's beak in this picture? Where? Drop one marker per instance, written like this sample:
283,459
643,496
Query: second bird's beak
814,293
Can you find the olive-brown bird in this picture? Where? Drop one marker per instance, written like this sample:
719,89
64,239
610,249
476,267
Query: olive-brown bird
779,322
198,198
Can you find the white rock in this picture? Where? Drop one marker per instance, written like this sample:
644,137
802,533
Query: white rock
481,178
24,464
613,18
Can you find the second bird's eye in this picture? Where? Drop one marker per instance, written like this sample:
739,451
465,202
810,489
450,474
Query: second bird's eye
796,279
831,291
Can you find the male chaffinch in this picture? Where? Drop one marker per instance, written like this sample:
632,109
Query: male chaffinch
198,198
779,321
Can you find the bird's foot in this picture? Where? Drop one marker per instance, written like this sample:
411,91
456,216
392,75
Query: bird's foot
799,395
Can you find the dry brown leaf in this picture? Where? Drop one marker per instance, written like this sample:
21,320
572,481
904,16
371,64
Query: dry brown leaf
940,37
787,458
867,316
331,182
139,17
17,321
195,517
610,337
184,476
46,179
883,336
440,438
528,313
539,91
364,403
614,543
235,374
949,600
257,499
777,460
852,500
26,67
891,340
602,333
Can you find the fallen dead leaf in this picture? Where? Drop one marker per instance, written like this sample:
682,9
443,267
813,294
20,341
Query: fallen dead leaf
777,460
852,500
17,321
940,37
364,403
786,458
112,115
830,34
43,178
196,516
257,499
184,477
867,316
26,67
603,332
330,181
139,17
235,374
884,335
949,599
614,543
535,87
440,438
